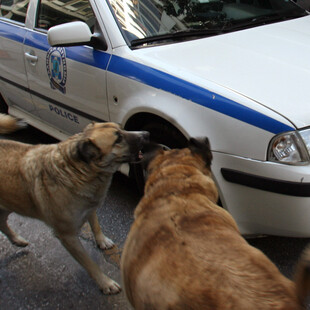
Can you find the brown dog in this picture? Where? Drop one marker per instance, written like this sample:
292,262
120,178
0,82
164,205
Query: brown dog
62,184
185,252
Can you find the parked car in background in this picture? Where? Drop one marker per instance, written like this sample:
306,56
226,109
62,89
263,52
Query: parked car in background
237,71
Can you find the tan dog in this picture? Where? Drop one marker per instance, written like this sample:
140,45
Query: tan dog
62,184
185,252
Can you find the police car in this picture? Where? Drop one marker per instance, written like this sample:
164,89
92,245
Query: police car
237,71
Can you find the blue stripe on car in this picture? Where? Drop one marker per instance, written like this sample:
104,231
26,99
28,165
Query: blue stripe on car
152,77
18,33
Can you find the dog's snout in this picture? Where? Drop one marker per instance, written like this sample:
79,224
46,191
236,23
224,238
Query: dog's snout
137,138
145,135
142,136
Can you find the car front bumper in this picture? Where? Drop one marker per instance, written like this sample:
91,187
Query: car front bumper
264,197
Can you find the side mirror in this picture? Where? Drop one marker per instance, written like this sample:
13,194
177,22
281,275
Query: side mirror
73,34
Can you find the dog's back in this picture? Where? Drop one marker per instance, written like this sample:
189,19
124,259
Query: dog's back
185,252
9,124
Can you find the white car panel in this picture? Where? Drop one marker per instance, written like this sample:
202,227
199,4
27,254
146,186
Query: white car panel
12,66
233,137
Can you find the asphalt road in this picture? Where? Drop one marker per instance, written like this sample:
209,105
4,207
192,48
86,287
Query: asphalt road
44,276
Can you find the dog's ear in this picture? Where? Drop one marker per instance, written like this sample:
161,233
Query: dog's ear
89,126
201,146
87,151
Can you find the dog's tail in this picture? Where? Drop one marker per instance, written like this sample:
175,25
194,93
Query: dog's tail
302,276
10,124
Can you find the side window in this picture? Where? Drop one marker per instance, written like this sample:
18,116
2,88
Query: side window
14,9
55,12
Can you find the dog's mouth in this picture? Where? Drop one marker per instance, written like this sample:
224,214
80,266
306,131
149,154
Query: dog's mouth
137,151
140,156
136,143
137,158
132,158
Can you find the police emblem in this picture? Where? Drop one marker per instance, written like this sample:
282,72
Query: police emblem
57,68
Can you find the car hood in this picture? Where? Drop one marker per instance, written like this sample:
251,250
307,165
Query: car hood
269,64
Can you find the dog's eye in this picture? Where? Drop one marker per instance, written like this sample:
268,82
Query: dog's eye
119,138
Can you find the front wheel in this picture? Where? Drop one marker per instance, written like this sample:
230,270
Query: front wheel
162,133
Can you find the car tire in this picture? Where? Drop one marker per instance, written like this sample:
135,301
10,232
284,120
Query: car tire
164,134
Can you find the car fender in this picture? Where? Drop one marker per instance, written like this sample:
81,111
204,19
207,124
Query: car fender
230,120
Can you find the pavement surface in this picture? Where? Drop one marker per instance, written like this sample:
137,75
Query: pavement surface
44,276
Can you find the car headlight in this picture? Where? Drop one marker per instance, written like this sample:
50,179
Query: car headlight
292,148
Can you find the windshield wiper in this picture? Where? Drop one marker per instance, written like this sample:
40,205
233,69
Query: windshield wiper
176,36
227,26
259,20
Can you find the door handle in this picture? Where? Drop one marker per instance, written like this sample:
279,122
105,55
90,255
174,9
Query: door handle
32,58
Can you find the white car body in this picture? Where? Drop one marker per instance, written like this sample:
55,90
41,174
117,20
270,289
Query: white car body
240,89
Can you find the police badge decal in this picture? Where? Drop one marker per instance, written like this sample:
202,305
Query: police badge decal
57,68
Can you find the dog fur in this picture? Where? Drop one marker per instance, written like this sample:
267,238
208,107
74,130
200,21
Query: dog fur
9,124
183,251
62,184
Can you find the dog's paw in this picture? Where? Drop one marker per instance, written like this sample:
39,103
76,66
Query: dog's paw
111,288
105,244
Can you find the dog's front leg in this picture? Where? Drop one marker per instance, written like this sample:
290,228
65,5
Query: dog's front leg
76,249
102,241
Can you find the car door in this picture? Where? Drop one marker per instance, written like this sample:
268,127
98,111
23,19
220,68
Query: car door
13,79
68,85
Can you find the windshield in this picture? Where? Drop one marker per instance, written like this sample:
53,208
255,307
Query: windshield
145,22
